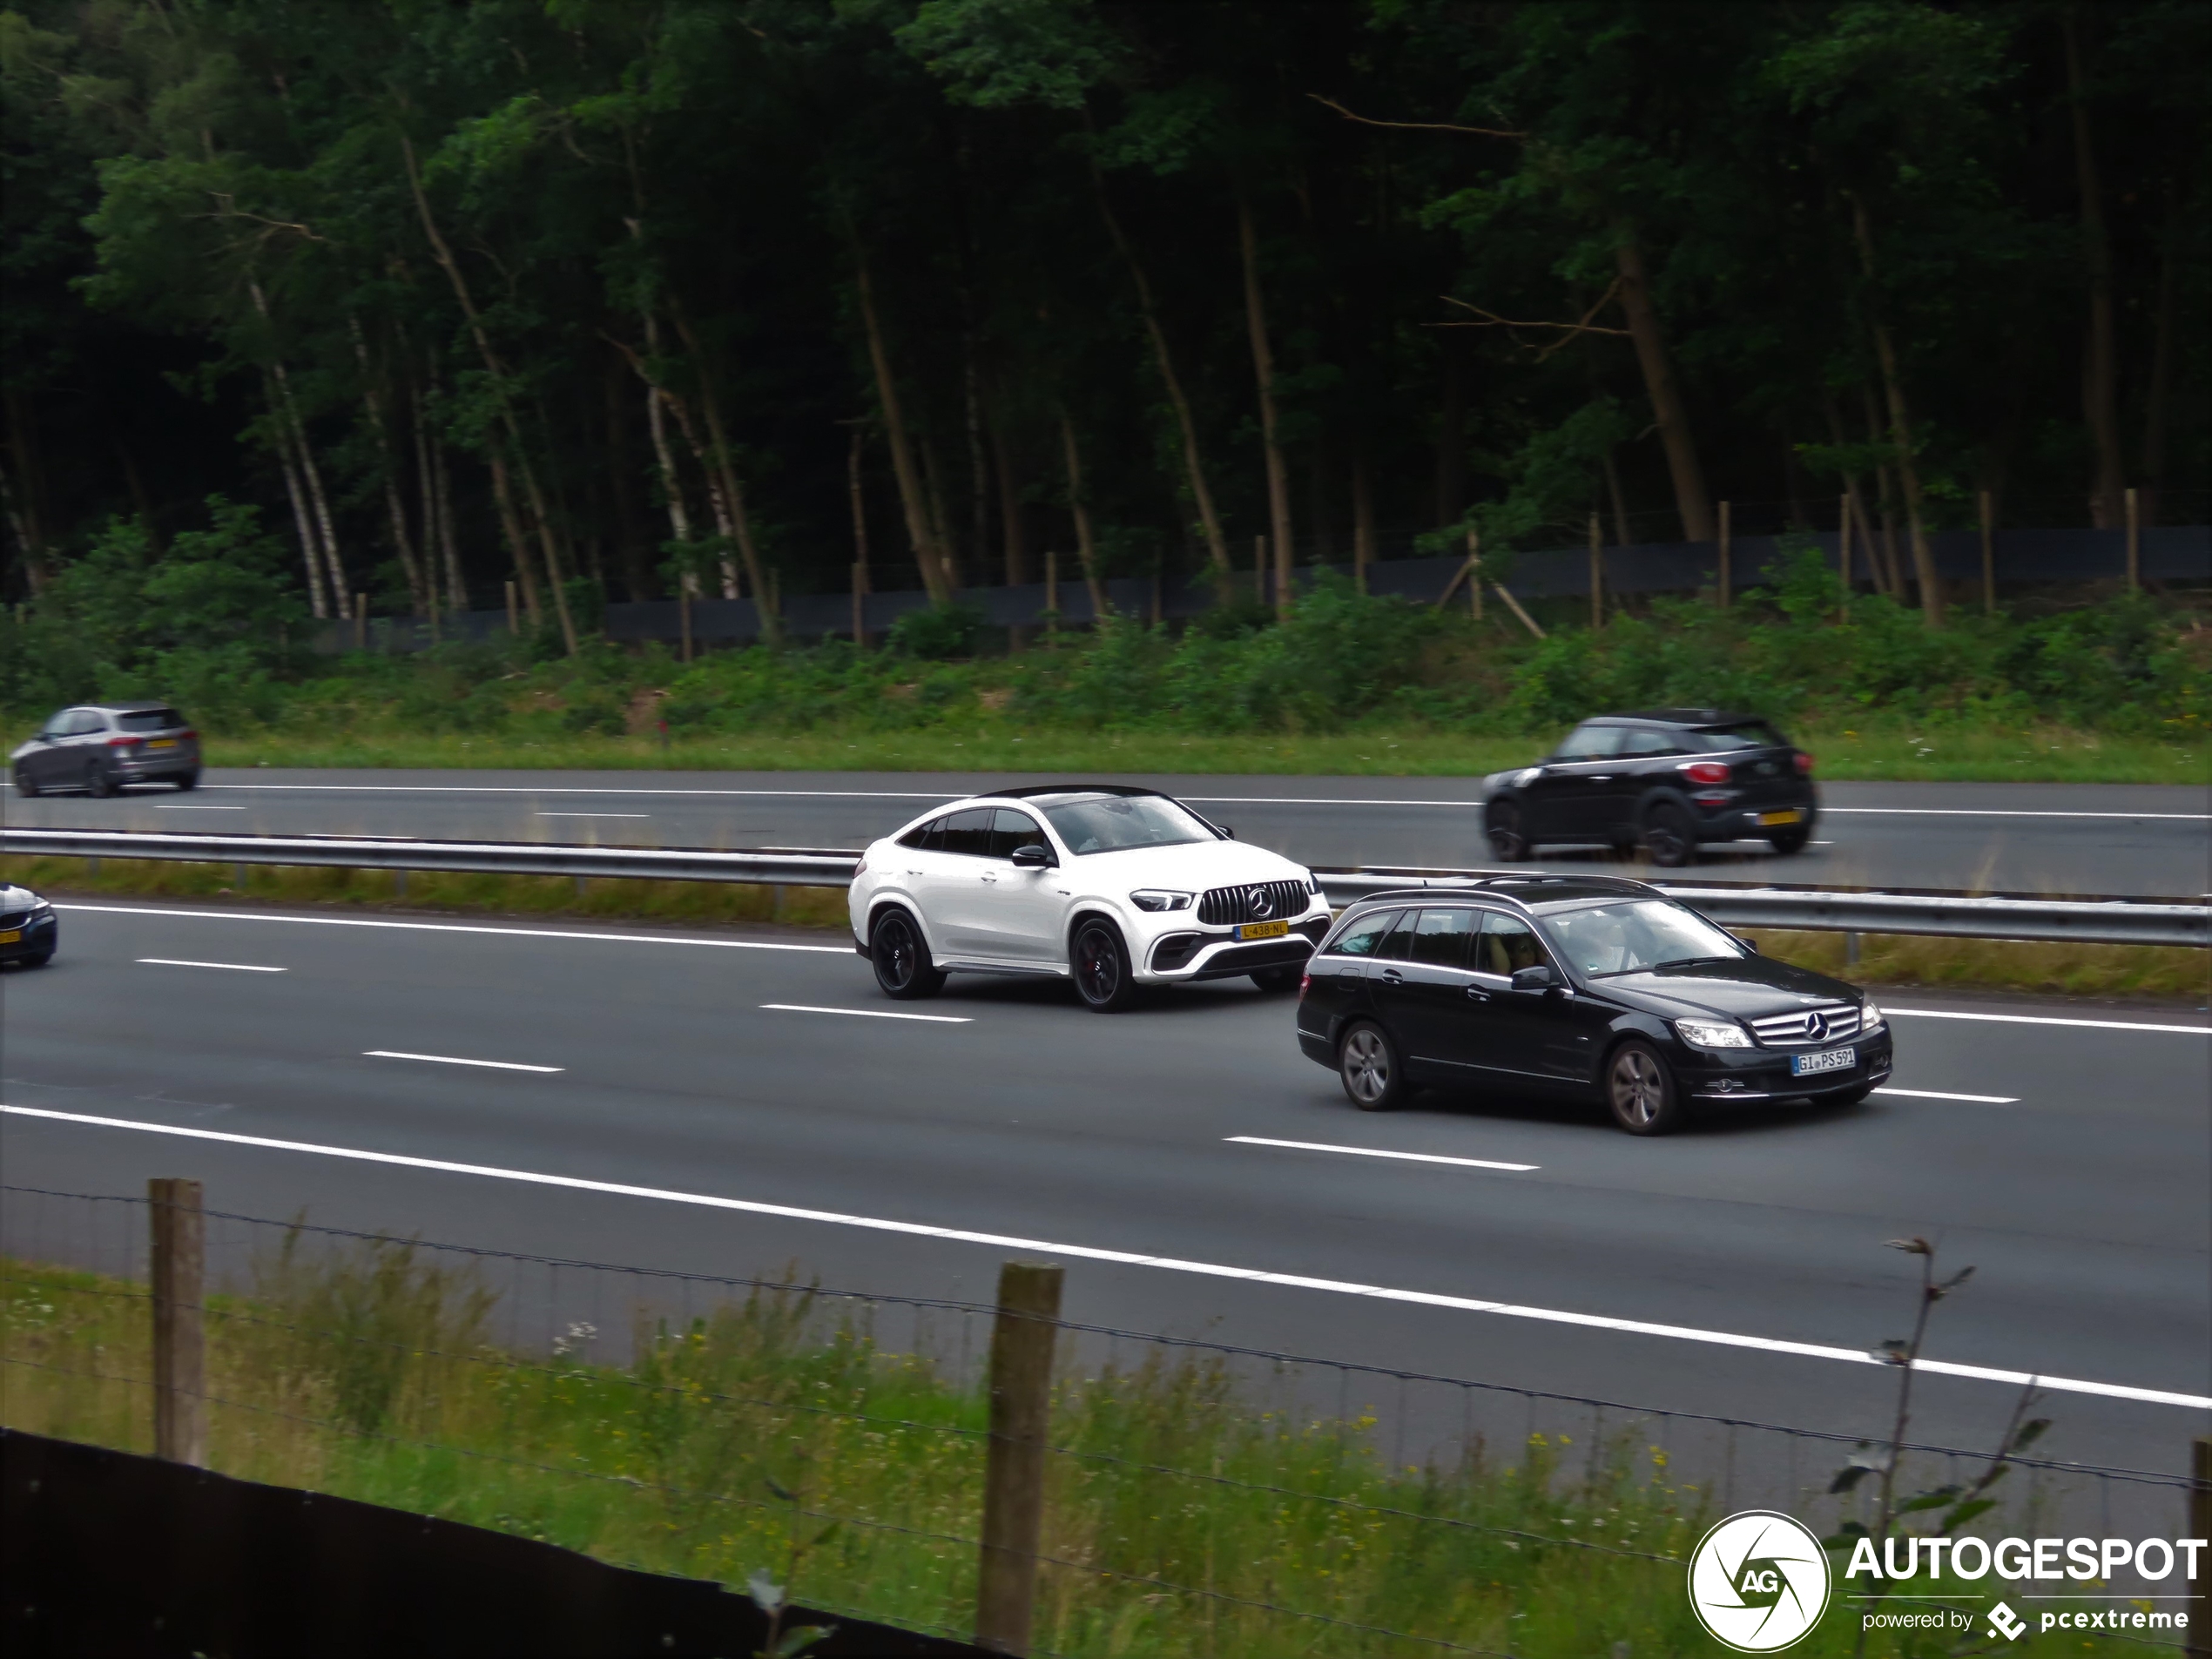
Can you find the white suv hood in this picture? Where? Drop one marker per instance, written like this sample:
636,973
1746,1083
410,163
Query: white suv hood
1190,868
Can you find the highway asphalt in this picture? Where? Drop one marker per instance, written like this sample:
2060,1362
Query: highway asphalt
2061,1149
2129,840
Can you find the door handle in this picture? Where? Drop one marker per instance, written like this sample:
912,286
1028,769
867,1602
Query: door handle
1476,994
1603,778
989,879
1391,976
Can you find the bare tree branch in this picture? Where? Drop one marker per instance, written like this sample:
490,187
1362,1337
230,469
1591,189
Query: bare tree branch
1415,126
1570,331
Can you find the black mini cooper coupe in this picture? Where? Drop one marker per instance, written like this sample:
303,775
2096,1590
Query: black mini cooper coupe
1595,988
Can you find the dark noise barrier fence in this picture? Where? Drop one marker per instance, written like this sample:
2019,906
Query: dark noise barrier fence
2179,553
1046,1485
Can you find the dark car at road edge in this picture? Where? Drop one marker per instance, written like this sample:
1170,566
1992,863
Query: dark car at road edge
29,933
1588,988
1670,779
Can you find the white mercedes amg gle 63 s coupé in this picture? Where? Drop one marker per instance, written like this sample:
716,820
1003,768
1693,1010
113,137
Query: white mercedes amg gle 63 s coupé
1110,887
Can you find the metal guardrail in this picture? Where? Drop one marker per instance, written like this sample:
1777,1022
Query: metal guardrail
2114,921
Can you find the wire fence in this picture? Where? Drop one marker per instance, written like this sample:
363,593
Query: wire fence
1199,1497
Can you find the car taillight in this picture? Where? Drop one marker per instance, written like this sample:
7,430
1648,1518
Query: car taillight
1804,764
1305,984
1707,772
120,743
188,733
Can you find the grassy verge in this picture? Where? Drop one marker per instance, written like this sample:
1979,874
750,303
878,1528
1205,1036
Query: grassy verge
1949,754
2070,970
766,1435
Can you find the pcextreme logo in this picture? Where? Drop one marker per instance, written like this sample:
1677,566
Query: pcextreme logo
1758,1582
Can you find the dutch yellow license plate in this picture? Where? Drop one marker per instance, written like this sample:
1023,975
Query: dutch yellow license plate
1780,818
1262,929
13,936
161,742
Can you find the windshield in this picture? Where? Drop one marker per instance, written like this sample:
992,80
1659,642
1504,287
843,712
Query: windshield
1641,933
1116,823
1748,734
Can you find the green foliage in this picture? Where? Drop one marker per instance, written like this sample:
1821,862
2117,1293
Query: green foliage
939,633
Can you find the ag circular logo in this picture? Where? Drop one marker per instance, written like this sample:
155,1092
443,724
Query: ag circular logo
1758,1582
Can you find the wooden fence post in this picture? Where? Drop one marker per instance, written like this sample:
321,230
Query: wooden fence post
179,1341
360,621
1725,573
1597,579
1843,555
1988,555
683,612
2134,544
1051,595
2200,1526
1260,570
1021,1339
1283,553
513,621
860,605
1474,571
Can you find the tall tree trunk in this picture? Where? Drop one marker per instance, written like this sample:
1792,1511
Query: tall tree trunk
1278,486
2160,379
1186,426
517,539
19,532
437,486
1450,434
1363,518
288,416
859,508
1891,579
418,592
933,477
310,550
443,254
1692,505
30,500
1619,502
621,483
1908,469
1086,548
1853,490
1013,531
2100,349
911,497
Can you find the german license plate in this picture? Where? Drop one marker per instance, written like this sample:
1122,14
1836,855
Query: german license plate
1790,817
1805,1065
13,936
1262,929
161,742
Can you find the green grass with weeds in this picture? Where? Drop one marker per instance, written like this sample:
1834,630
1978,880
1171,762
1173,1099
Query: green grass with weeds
1990,964
1939,754
768,1433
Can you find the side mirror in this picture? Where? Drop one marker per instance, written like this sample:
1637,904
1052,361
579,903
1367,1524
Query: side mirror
1539,978
1227,834
1031,857
1749,944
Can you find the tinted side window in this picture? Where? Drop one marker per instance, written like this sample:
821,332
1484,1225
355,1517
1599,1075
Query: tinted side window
920,833
1590,742
87,721
1365,934
1398,946
1644,742
968,832
147,719
1509,944
57,725
1012,829
1441,938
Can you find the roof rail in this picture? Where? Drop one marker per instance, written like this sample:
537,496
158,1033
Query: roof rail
1503,886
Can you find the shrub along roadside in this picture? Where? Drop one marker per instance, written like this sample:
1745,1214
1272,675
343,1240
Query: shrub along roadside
1989,964
762,1435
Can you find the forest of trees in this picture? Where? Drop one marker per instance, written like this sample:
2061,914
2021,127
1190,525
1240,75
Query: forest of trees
604,296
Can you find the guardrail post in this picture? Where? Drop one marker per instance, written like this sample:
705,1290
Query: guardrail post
1851,948
2200,1526
1021,1337
179,1341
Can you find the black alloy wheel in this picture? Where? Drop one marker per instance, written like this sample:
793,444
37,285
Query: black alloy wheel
1640,1090
1101,965
187,780
1275,980
901,958
38,960
1789,841
96,781
26,786
1669,836
1509,844
1368,1065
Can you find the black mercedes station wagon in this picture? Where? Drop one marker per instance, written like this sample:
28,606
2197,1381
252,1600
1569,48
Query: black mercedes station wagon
1669,779
1589,987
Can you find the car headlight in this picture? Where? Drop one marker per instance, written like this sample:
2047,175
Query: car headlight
1706,1034
1870,1019
1157,899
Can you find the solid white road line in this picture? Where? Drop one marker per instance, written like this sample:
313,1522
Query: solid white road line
2043,1019
584,814
1132,1258
449,927
455,1060
195,807
235,968
2004,811
587,789
1931,1094
869,1013
1373,1152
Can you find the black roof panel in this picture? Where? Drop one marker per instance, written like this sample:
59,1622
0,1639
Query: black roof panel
1029,792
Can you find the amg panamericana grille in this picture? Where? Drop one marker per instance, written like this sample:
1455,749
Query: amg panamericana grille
1255,901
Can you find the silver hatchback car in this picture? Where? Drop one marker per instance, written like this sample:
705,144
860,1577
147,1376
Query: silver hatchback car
99,747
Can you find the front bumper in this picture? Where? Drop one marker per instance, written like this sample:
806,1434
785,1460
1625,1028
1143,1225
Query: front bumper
1187,953
1764,1074
37,937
